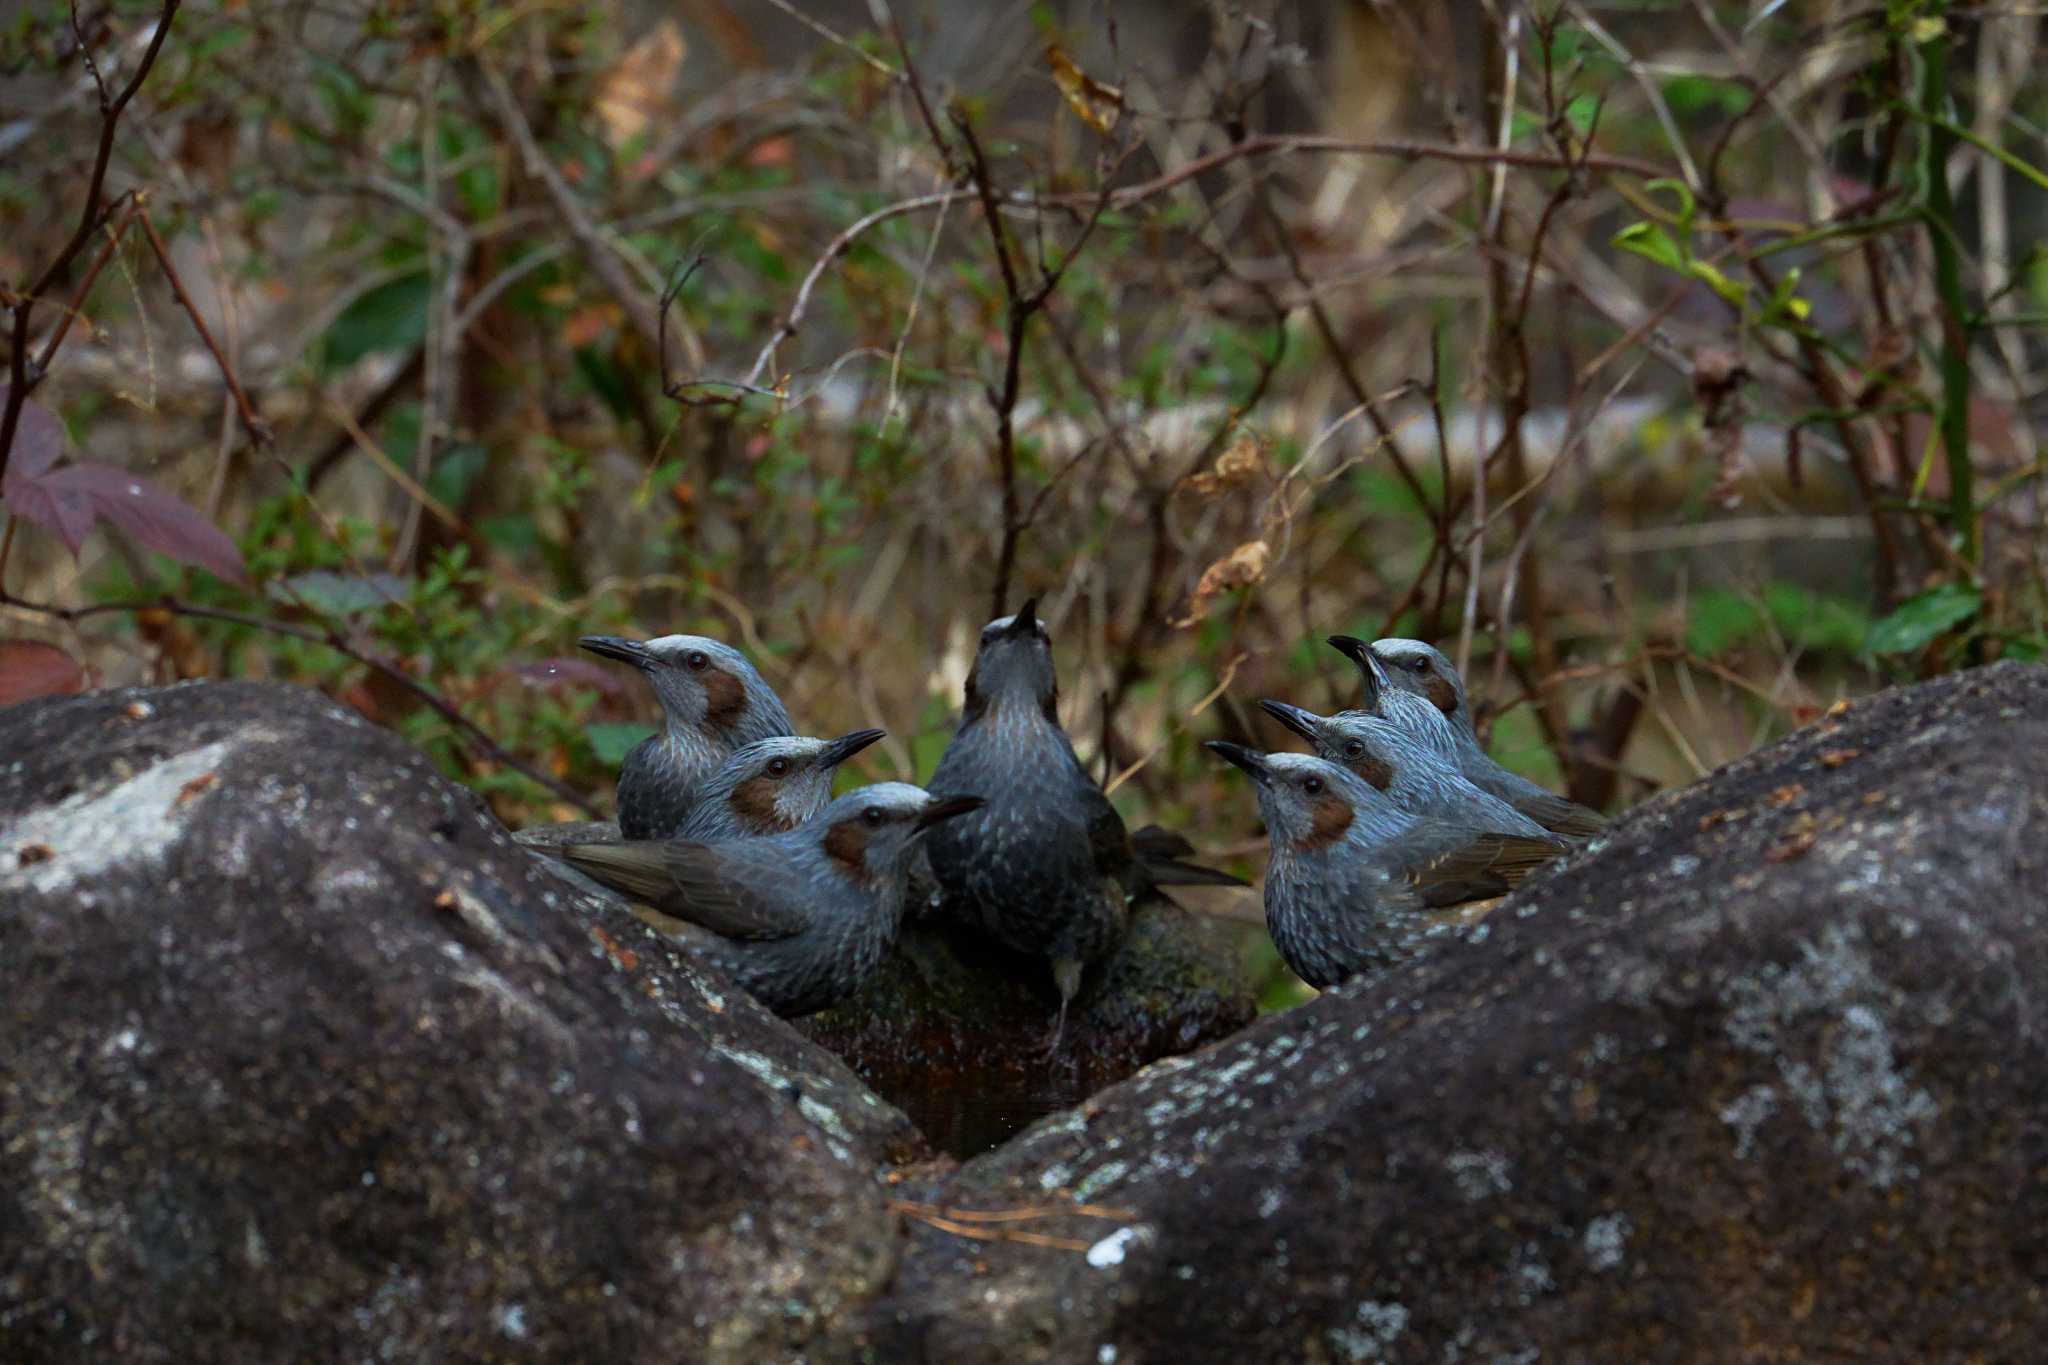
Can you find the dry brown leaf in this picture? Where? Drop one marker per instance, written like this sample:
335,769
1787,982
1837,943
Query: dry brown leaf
1095,104
635,91
1240,568
1242,461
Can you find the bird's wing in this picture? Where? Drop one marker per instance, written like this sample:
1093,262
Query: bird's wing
722,887
1458,864
1108,841
1561,816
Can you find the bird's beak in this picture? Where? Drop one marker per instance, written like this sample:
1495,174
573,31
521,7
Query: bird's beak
945,808
837,751
1371,670
1304,723
1251,760
1025,622
617,647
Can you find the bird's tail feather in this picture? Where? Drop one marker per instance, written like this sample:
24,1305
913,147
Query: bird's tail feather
1161,855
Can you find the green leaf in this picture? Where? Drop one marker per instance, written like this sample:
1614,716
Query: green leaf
340,594
2026,649
1919,619
391,317
1717,619
611,740
1652,241
1691,94
1816,620
1731,290
456,472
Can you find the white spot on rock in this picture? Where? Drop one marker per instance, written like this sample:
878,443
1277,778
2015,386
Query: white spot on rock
1111,1249
131,822
1479,1174
1606,1240
1379,1326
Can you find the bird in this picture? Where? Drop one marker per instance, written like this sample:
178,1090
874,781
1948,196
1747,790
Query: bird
1420,689
712,702
800,920
1046,867
1350,878
1415,777
770,786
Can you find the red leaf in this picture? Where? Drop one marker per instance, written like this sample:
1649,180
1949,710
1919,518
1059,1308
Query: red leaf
151,517
30,668
67,502
560,672
38,439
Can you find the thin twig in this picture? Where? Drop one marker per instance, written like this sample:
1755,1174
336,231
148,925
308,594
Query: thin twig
332,639
20,378
258,429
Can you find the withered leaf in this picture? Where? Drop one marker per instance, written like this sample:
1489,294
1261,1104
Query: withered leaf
1095,104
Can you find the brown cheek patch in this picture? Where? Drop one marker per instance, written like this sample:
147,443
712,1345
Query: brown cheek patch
754,802
846,843
1329,817
725,698
1441,694
1377,771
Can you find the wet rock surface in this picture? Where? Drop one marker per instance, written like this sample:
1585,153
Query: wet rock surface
302,1057
1757,1077
954,1030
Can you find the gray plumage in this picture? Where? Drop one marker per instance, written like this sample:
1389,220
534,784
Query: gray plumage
802,919
1418,688
1415,777
1046,867
770,786
712,702
1350,878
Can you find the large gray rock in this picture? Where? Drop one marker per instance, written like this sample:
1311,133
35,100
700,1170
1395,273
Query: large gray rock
1758,1077
301,1057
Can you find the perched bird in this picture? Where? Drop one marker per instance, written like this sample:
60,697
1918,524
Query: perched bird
1415,777
800,919
1046,866
1350,878
712,702
1413,680
769,786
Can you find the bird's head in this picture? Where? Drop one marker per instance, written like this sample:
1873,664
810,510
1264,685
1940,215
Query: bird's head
1013,665
702,684
777,783
1422,669
1356,742
868,833
1308,803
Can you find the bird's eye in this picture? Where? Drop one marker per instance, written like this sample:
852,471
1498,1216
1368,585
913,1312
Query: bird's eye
1418,664
873,815
1353,748
778,767
1312,785
697,659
